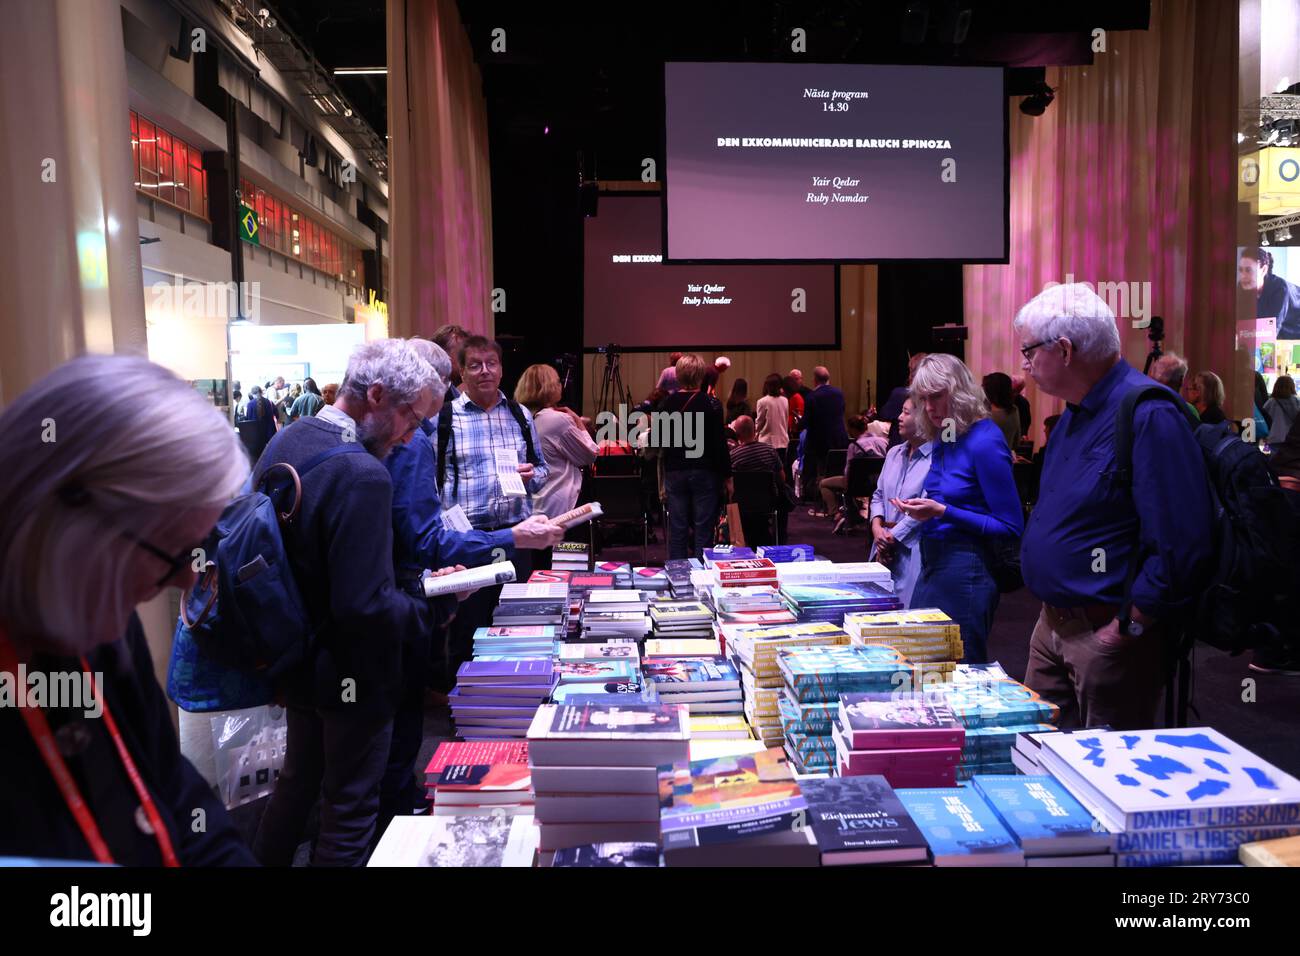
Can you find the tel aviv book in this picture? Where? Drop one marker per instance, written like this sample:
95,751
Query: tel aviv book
961,829
860,820
1171,779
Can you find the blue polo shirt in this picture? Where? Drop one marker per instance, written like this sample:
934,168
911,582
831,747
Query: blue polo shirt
1080,509
419,538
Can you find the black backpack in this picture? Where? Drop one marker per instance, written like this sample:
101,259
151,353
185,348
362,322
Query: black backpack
1244,603
445,436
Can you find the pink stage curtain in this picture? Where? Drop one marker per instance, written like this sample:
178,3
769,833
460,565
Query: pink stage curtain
441,210
1129,177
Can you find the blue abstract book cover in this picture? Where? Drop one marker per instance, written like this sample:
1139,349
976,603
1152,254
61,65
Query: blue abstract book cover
961,829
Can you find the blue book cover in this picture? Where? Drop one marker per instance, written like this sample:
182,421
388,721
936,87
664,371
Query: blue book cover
1201,838
1042,816
530,670
961,829
565,693
597,670
1177,858
861,820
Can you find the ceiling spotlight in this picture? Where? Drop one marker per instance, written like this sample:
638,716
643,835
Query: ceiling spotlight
1037,102
1263,238
347,111
1283,234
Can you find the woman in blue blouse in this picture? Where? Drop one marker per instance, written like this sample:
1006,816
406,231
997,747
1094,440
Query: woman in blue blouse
970,498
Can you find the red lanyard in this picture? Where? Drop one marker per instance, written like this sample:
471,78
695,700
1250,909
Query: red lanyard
39,728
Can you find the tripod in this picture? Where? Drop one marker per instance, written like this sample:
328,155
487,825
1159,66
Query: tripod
612,390
1156,335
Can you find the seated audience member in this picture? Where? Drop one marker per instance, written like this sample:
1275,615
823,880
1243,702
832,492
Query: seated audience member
1002,407
902,478
694,477
1099,647
1205,393
738,401
422,540
473,429
566,442
342,700
1170,370
970,500
1282,409
97,521
668,377
1048,424
750,454
861,442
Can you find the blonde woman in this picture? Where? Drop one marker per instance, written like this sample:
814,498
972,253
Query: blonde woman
102,515
970,499
566,444
1205,392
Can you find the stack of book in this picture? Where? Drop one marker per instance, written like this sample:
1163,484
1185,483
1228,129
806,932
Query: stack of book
1187,796
581,582
672,618
613,650
718,727
523,640
596,677
727,552
759,604
542,576
907,739
754,652
706,685
497,699
481,777
571,556
786,553
594,770
831,572
653,580
743,572
735,811
679,577
461,840
861,820
682,647
994,712
926,635
818,676
961,829
541,603
832,602
621,570
614,612
1051,827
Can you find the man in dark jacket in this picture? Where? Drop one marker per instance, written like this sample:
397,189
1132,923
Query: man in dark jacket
823,420
340,547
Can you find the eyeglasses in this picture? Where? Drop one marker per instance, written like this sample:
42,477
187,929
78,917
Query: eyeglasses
175,563
1027,350
419,419
490,365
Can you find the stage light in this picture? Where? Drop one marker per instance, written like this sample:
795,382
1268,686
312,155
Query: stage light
1241,137
1263,238
1037,102
1283,234
546,131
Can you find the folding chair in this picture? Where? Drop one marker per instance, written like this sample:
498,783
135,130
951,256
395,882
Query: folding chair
758,496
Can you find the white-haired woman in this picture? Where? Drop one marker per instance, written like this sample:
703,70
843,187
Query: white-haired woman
99,516
970,500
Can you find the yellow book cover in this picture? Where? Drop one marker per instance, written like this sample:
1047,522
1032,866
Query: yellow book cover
1284,852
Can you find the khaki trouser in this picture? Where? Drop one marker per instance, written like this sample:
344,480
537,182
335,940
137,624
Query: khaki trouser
1095,684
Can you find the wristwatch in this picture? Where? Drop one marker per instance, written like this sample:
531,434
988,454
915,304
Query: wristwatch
1128,625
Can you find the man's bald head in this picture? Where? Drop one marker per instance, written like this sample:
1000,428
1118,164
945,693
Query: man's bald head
822,375
797,376
744,429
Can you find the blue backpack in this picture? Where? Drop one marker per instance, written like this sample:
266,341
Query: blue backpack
245,612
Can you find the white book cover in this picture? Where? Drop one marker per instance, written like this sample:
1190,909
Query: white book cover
463,839
538,591
1171,779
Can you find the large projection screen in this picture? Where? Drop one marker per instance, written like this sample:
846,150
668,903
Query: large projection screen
634,300
776,162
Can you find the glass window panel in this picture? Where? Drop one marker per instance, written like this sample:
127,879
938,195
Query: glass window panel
166,179
148,155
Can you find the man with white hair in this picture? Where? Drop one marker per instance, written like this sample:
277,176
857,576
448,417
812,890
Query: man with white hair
340,549
1114,564
422,539
1170,370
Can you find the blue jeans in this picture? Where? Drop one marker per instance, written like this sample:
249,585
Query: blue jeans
955,578
694,501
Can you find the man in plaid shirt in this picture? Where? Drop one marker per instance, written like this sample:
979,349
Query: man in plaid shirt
471,429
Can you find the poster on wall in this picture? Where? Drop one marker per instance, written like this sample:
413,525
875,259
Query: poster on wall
1273,337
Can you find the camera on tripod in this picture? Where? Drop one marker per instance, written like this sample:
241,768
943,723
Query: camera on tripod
611,349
